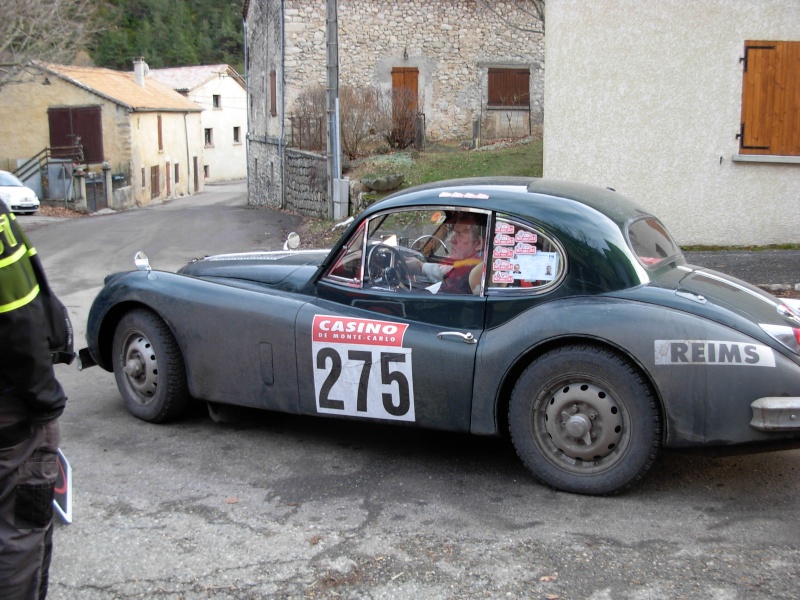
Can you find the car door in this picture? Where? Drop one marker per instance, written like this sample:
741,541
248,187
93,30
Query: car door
369,349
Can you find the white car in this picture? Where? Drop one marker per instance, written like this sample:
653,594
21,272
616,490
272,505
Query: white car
17,196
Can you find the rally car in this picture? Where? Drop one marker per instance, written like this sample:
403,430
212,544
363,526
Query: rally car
583,334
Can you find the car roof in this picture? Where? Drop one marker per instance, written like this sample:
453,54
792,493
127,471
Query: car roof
523,196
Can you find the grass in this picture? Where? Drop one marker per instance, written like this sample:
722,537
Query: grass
716,248
450,161
444,160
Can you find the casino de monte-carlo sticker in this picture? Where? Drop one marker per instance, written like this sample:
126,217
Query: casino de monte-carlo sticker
361,368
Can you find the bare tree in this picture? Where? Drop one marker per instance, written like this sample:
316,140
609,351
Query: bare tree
522,12
46,30
357,109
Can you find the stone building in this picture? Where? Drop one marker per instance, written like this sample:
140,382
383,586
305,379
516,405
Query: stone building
475,68
146,133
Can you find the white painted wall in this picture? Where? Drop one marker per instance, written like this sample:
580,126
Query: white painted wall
226,159
645,96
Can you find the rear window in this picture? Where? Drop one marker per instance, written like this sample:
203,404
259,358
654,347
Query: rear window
651,243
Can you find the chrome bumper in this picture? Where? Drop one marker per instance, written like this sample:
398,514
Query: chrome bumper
776,414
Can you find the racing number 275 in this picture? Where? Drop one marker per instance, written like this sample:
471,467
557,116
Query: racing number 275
395,406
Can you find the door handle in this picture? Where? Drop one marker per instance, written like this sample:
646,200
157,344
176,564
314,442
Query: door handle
468,338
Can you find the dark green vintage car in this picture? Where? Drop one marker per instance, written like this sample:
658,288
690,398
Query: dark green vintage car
560,313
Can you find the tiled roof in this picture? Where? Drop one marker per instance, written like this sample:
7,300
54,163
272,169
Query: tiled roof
121,87
188,78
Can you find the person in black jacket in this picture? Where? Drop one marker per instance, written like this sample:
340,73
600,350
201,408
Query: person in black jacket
33,328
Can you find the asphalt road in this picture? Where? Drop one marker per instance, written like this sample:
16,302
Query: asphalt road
278,506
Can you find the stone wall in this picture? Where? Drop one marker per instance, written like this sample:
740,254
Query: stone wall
452,43
306,183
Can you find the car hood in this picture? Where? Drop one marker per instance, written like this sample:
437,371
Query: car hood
294,267
13,193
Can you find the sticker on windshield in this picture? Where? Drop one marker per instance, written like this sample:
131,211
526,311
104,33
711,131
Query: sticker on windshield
706,352
361,368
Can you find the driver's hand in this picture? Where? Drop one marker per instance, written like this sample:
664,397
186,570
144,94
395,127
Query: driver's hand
414,266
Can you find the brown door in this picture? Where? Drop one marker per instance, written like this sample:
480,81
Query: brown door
405,97
169,186
155,182
196,180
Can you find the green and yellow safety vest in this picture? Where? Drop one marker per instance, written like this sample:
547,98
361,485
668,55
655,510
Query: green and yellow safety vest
18,285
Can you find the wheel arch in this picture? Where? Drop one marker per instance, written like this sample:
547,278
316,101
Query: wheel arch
512,375
105,337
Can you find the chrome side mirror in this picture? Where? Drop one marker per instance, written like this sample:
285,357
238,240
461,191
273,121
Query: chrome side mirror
292,241
142,262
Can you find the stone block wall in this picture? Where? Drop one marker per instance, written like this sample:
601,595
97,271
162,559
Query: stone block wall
306,183
452,43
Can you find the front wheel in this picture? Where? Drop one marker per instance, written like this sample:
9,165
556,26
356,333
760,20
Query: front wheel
149,368
583,420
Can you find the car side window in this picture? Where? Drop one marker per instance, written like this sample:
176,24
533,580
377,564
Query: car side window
523,257
347,267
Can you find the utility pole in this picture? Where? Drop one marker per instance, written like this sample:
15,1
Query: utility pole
338,190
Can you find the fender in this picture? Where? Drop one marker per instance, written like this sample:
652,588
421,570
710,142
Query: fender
725,385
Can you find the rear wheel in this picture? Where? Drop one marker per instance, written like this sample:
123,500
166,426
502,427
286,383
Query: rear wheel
149,368
583,420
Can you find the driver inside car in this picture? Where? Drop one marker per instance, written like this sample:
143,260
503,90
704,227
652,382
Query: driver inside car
462,271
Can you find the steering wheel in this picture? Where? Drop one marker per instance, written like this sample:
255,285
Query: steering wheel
426,238
385,264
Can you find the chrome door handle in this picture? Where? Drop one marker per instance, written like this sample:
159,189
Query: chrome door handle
467,337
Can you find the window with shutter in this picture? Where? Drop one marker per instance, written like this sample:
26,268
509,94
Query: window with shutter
509,87
273,93
770,121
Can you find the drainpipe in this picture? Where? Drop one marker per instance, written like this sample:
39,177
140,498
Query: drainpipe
283,108
247,110
188,162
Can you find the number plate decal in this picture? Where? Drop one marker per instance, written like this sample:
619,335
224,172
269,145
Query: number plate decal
361,368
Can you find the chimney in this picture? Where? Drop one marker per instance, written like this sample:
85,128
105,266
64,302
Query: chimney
140,70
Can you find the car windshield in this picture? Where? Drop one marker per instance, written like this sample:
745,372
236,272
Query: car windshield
9,180
651,243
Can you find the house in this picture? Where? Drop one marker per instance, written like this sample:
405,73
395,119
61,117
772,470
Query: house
140,129
222,94
473,69
691,108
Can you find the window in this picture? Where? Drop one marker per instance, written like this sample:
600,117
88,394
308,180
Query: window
651,242
273,93
144,178
209,136
155,179
177,173
770,99
237,139
160,137
206,171
509,87
432,250
523,258
215,100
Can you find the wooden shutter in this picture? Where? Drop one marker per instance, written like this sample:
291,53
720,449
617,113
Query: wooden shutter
273,93
509,87
771,99
70,124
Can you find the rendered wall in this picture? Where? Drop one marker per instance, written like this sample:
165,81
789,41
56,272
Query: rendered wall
226,158
645,96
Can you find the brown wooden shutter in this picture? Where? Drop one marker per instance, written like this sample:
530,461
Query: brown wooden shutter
70,124
509,87
771,99
273,93
160,137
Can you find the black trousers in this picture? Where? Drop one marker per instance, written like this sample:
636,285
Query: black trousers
28,471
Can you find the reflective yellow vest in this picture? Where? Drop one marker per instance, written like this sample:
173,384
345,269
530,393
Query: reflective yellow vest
18,285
